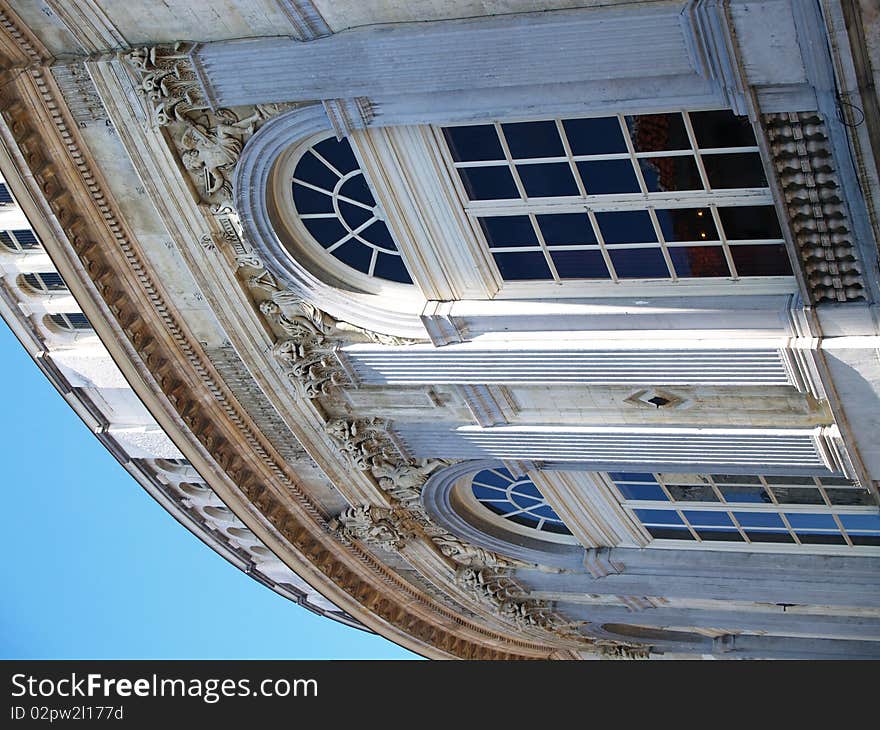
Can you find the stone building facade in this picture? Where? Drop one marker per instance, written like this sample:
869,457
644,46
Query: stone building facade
503,329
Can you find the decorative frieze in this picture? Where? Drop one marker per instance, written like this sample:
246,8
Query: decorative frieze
817,212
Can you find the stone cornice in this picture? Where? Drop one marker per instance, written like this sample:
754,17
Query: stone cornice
220,435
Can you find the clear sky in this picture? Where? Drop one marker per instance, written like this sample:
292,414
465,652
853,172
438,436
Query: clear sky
92,567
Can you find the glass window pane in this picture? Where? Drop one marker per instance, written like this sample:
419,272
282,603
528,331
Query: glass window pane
355,254
606,177
756,495
601,136
325,231
339,154
861,523
650,492
522,266
311,201
695,261
708,519
548,180
783,537
821,538
632,226
722,129
473,143
756,222
379,235
391,267
533,139
735,171
669,174
864,539
760,519
720,534
735,479
687,224
692,492
508,230
579,264
808,521
658,132
311,170
632,477
566,229
850,496
658,517
797,495
670,533
769,260
639,263
488,183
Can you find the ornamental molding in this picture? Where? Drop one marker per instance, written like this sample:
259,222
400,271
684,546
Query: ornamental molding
817,212
128,300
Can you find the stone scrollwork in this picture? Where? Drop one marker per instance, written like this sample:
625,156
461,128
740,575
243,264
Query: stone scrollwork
208,142
377,525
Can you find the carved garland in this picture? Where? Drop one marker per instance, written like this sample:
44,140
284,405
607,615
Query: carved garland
161,360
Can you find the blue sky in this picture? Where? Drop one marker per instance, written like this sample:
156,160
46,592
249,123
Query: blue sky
93,568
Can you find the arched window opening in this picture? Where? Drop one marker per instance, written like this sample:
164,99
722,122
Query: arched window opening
70,321
661,196
736,508
516,499
44,283
19,240
333,199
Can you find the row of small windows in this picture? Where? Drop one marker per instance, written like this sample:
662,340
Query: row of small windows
666,196
751,509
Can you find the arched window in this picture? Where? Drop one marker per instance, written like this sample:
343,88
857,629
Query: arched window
517,500
44,283
70,321
662,196
19,240
332,198
735,508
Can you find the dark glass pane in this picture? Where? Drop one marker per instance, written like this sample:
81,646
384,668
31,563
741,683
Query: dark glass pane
770,537
861,523
556,528
797,495
391,267
735,479
338,153
605,177
600,136
760,519
821,538
325,231
26,238
474,143
353,215
837,481
379,235
658,132
497,478
632,226
522,266
806,521
745,494
720,535
649,492
770,260
356,188
580,264
355,254
566,229
687,224
523,519
5,195
722,129
692,492
547,181
735,171
508,230
632,477
308,201
849,496
865,539
311,170
668,174
639,263
694,261
708,519
750,223
659,517
533,139
488,183
801,480
670,533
